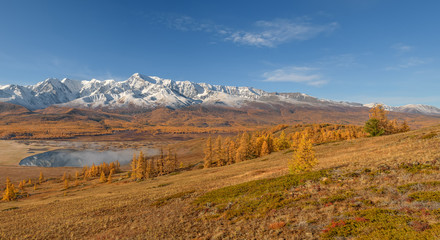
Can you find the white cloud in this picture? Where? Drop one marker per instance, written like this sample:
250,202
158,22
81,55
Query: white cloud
265,34
295,74
273,33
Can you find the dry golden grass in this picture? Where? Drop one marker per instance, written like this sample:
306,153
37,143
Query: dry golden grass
123,209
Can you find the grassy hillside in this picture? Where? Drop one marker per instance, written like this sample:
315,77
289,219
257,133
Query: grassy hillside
365,188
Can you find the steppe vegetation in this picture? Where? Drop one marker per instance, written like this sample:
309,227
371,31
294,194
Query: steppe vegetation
357,186
68,123
302,181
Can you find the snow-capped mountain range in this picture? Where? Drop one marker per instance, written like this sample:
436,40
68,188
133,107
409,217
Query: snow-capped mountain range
151,92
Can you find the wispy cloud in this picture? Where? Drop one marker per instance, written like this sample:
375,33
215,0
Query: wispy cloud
402,48
408,63
273,33
307,75
263,33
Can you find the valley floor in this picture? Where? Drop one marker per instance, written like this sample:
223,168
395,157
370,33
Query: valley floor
358,186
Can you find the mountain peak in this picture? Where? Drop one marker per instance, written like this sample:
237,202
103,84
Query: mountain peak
151,92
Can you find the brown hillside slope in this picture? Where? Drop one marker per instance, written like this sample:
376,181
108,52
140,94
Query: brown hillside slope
164,208
68,123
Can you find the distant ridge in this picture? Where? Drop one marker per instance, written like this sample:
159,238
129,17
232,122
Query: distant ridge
152,92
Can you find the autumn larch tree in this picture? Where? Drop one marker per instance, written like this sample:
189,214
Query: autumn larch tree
282,142
110,179
207,160
66,183
243,150
264,149
102,178
304,157
218,152
133,166
10,193
140,166
41,178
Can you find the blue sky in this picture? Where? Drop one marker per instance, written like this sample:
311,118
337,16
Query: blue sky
362,51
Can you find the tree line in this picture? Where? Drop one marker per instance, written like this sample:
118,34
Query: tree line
143,167
249,145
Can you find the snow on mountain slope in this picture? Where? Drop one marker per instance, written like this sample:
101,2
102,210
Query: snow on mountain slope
138,90
151,92
410,108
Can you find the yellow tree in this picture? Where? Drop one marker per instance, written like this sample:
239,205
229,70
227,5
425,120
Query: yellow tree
404,127
133,166
378,112
110,179
41,178
218,152
264,149
282,142
102,178
10,193
243,150
149,169
169,163
258,144
161,163
231,152
270,143
304,157
207,160
296,139
140,169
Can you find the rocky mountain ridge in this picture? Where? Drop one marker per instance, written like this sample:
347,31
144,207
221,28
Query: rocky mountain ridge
152,92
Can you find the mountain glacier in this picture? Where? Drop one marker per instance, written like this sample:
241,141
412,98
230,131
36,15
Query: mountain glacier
151,92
